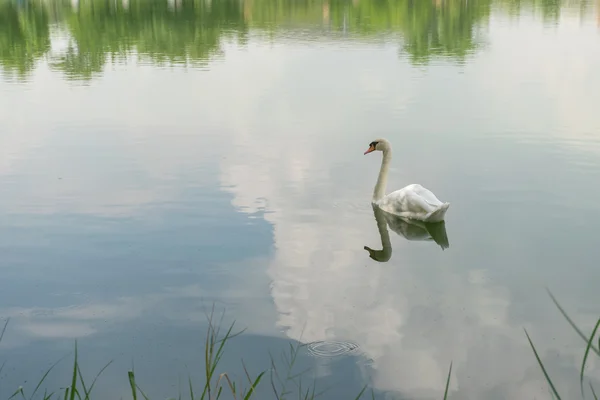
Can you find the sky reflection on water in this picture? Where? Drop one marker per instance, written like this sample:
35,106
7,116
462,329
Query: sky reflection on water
139,191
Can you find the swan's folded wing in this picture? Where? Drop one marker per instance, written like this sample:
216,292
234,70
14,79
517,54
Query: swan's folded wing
426,194
406,202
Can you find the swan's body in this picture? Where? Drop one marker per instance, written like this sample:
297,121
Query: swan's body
412,201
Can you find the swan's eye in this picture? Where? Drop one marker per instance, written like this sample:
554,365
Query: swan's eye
373,144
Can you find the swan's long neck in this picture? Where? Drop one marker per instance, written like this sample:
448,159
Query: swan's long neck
381,184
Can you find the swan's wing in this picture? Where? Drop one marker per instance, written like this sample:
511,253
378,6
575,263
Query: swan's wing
425,194
406,200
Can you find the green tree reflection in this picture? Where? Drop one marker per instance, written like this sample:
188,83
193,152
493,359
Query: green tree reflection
443,28
170,32
24,37
189,33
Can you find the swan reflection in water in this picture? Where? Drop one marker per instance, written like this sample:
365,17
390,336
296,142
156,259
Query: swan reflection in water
407,228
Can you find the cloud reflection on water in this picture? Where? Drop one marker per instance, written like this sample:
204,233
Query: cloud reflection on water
410,316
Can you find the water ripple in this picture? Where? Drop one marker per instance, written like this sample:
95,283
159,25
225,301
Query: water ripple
331,348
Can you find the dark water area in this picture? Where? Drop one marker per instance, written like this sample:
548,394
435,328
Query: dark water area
161,157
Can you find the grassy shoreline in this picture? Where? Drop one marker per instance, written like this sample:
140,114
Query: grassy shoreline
217,384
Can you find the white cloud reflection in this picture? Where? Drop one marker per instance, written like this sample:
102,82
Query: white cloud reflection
411,319
90,317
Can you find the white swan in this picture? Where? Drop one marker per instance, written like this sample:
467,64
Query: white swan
412,201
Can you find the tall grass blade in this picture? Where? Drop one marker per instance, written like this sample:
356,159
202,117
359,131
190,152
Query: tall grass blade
593,392
85,391
206,361
43,378
74,380
361,393
1,336
542,366
448,382
88,392
581,334
587,351
247,374
2,366
299,374
274,372
4,329
300,391
19,391
191,388
305,394
221,349
254,385
141,391
132,384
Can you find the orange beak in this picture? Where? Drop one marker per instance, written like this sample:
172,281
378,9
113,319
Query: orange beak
371,148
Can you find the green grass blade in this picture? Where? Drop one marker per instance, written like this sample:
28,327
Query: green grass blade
254,385
246,372
132,384
587,351
448,382
593,392
220,349
361,393
19,391
43,378
74,380
570,321
191,388
97,376
273,372
206,365
4,329
141,391
542,366
85,391
300,391
299,374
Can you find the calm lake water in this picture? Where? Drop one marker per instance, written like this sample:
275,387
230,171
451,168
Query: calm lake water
158,157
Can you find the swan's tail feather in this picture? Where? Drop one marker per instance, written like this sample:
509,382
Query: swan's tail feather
438,214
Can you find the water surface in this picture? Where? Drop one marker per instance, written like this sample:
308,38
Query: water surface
160,157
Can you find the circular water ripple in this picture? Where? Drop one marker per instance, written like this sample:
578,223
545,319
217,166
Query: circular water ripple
331,348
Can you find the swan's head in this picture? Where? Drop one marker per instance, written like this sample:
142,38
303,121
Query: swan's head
378,145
